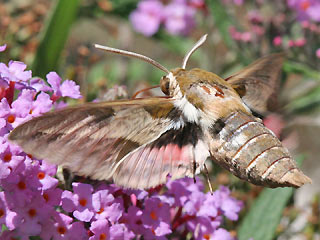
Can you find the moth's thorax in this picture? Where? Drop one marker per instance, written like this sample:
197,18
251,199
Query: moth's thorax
210,96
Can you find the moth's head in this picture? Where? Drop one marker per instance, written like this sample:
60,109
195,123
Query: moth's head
177,79
199,87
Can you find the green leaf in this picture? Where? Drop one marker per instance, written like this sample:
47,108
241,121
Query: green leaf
265,214
123,8
294,67
54,37
308,101
222,20
3,228
261,222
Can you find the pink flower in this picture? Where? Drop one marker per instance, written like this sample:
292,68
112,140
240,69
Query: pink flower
179,18
221,234
105,206
234,33
300,42
305,24
318,53
80,203
15,71
255,16
258,30
67,89
277,41
100,230
290,43
3,47
10,157
238,2
52,196
246,37
33,215
7,217
156,216
121,231
133,219
147,18
43,176
60,227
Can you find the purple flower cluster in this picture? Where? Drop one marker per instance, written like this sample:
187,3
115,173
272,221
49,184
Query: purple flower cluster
178,16
306,9
183,208
33,204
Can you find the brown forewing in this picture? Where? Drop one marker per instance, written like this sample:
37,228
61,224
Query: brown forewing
99,139
258,83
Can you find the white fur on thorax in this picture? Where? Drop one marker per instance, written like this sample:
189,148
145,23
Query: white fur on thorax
190,112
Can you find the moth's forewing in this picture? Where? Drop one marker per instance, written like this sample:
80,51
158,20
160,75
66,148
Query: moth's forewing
258,83
137,142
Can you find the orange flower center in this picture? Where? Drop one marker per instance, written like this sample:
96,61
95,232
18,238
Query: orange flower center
206,236
41,175
61,230
103,236
305,5
46,197
22,185
11,118
7,157
32,212
101,210
1,213
83,202
153,215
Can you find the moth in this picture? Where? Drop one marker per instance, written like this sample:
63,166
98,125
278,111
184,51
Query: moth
139,142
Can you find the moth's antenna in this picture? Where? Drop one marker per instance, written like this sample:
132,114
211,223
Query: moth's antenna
195,47
132,54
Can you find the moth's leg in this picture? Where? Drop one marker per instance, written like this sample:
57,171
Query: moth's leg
208,177
194,168
66,177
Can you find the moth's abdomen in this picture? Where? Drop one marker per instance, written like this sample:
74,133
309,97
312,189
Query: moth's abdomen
252,152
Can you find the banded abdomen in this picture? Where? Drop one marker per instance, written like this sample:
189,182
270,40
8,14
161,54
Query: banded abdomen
244,146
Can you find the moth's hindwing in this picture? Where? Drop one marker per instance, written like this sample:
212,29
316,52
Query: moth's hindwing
137,142
248,149
258,83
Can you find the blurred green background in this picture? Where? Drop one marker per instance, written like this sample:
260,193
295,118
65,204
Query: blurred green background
59,36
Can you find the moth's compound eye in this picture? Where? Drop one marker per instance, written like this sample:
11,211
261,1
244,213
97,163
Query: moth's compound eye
165,84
